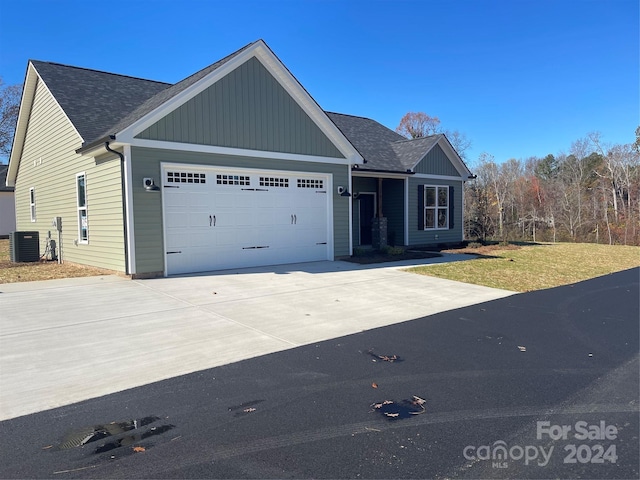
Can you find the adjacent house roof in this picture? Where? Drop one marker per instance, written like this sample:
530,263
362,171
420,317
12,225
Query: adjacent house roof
3,179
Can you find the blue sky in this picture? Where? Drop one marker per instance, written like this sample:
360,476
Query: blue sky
520,78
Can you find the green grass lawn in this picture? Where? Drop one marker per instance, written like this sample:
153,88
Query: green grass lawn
535,267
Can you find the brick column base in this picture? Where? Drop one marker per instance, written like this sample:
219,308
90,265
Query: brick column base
379,233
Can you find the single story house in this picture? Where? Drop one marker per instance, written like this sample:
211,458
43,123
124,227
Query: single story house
234,166
7,205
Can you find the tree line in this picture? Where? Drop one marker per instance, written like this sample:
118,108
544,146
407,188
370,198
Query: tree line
590,194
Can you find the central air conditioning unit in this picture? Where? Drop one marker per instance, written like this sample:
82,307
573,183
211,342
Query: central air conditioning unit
24,246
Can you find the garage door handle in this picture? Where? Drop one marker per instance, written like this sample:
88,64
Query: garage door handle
212,220
295,219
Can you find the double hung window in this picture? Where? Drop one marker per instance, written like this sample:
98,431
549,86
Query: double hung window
436,207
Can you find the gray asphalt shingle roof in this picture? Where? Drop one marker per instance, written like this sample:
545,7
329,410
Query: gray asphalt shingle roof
100,104
381,147
94,101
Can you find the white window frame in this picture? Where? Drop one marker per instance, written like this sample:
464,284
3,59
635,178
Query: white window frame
436,208
32,203
82,209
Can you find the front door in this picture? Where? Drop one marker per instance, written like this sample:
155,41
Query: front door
366,211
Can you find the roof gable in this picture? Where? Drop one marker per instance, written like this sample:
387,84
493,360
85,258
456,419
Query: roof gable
180,93
247,109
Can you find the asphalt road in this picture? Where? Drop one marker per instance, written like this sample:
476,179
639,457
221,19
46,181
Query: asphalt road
536,385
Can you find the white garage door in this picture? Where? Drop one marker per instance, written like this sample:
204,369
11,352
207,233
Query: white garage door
220,218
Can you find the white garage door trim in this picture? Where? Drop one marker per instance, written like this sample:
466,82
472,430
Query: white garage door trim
170,217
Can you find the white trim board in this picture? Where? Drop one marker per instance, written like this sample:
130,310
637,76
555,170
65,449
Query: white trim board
438,177
239,152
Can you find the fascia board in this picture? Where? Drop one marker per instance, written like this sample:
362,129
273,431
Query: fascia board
380,174
241,152
280,73
440,177
24,113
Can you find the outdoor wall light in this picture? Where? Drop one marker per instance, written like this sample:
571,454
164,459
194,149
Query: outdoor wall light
150,185
343,192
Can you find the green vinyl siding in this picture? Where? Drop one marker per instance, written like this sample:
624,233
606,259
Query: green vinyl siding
147,213
49,164
246,109
436,162
426,237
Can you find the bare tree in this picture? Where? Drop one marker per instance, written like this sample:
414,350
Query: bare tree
460,142
9,107
418,124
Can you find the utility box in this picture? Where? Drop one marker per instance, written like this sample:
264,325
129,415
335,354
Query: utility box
24,246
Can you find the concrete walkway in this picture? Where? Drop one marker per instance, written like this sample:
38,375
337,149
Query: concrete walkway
63,341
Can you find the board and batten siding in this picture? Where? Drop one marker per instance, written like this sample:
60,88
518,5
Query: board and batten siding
426,237
436,162
147,215
246,109
49,164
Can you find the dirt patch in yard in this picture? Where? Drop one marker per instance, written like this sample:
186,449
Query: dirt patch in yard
484,249
366,258
11,272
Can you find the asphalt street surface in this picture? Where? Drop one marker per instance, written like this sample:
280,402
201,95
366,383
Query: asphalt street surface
535,385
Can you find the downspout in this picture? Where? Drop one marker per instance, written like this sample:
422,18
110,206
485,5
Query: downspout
124,205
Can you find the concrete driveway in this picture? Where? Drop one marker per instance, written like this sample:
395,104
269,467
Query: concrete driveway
63,341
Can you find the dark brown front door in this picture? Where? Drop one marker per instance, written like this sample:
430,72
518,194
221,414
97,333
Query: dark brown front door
367,209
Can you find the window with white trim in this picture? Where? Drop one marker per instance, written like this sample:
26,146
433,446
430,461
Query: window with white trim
436,207
32,203
83,220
